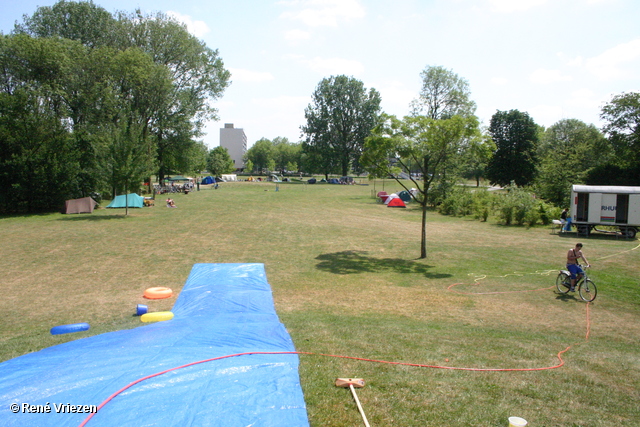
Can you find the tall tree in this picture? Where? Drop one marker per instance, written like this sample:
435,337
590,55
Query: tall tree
82,21
198,77
340,117
516,137
38,159
259,154
568,151
622,117
417,143
174,118
444,94
476,158
219,161
127,161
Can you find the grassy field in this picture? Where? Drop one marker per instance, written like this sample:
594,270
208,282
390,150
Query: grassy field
346,281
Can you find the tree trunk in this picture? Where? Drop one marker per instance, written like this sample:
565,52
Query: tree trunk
423,239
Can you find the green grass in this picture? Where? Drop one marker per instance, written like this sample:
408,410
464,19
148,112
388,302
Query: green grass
347,281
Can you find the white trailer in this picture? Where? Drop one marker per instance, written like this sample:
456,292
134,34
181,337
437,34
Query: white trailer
593,205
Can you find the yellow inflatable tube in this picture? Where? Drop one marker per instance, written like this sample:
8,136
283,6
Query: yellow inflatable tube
157,316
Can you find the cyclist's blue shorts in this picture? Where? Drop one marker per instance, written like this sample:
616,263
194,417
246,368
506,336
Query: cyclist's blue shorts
574,269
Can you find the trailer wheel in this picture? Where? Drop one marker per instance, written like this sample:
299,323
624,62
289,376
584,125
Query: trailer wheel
629,232
583,229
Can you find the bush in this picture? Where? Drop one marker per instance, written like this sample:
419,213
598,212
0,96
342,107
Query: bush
516,206
483,202
459,202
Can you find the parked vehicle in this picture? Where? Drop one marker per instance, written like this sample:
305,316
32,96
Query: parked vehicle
618,206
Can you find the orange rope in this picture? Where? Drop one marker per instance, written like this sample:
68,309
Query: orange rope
419,365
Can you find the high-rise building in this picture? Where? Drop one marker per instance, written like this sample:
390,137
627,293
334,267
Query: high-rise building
235,141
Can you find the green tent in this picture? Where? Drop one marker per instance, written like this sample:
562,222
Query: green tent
178,178
133,200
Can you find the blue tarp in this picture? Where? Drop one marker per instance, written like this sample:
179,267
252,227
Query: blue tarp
223,309
133,200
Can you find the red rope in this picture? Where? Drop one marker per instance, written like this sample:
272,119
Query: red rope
107,400
419,365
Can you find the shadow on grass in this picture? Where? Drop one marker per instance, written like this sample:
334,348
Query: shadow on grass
351,262
89,217
567,297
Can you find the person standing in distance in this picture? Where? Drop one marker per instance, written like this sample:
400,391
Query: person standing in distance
572,264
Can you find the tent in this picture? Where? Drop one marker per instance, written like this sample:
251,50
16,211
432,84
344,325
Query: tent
405,196
207,180
83,205
390,197
132,200
178,178
396,202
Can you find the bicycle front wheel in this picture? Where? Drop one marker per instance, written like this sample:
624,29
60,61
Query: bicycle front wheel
588,290
563,283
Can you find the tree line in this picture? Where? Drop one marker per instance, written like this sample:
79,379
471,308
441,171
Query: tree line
93,102
441,142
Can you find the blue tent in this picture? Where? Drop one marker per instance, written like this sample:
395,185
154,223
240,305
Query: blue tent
207,180
223,360
133,200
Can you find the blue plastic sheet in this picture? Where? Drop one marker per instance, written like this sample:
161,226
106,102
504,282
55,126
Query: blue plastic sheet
223,309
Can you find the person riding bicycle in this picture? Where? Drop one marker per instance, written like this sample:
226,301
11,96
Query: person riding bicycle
572,264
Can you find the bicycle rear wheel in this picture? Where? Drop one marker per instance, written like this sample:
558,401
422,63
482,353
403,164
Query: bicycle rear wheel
588,290
563,283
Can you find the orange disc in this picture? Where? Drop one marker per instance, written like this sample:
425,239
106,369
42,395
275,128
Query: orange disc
158,293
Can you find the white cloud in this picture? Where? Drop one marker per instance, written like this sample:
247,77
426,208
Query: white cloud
509,6
280,116
197,28
619,62
317,13
577,61
544,76
334,66
241,75
585,98
280,103
396,97
546,115
296,36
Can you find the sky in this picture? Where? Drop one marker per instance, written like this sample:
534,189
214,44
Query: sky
554,59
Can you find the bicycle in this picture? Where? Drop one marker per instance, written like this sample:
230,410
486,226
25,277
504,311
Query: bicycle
586,288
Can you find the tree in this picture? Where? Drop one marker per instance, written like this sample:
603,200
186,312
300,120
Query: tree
219,161
38,160
417,143
259,154
516,137
88,66
622,115
248,166
285,153
198,76
443,95
569,151
340,117
128,159
476,158
82,21
622,129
